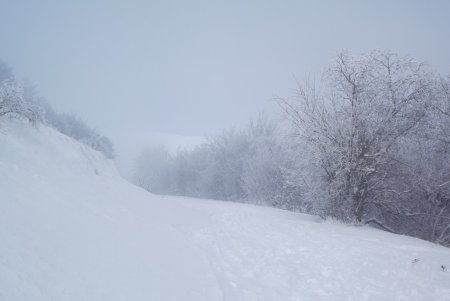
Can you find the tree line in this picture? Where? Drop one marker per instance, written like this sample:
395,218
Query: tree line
368,143
19,99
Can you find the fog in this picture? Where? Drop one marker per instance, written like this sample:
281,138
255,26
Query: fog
233,150
192,68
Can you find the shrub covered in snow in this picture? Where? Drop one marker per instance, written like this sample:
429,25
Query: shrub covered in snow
20,101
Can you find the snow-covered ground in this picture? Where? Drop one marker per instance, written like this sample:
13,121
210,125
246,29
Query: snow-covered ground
72,229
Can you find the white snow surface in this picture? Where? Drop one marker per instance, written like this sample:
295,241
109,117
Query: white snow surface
72,229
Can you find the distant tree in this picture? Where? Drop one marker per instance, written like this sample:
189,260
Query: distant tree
152,170
190,173
247,165
263,178
75,127
5,72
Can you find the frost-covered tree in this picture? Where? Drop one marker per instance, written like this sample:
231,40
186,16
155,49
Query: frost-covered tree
75,127
266,167
13,100
428,163
350,125
12,103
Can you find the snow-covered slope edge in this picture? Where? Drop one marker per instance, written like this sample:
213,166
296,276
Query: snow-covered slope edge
72,229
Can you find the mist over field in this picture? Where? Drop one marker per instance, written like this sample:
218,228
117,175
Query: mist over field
196,68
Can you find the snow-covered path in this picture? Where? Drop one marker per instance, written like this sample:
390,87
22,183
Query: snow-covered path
264,254
72,229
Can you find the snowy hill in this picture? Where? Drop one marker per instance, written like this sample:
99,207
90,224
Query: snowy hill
72,229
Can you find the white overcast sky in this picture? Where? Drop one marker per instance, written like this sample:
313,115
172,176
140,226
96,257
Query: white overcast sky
195,67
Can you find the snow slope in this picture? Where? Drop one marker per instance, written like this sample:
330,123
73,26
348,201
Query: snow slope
72,229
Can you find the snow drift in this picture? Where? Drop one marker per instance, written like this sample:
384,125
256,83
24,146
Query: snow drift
72,229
